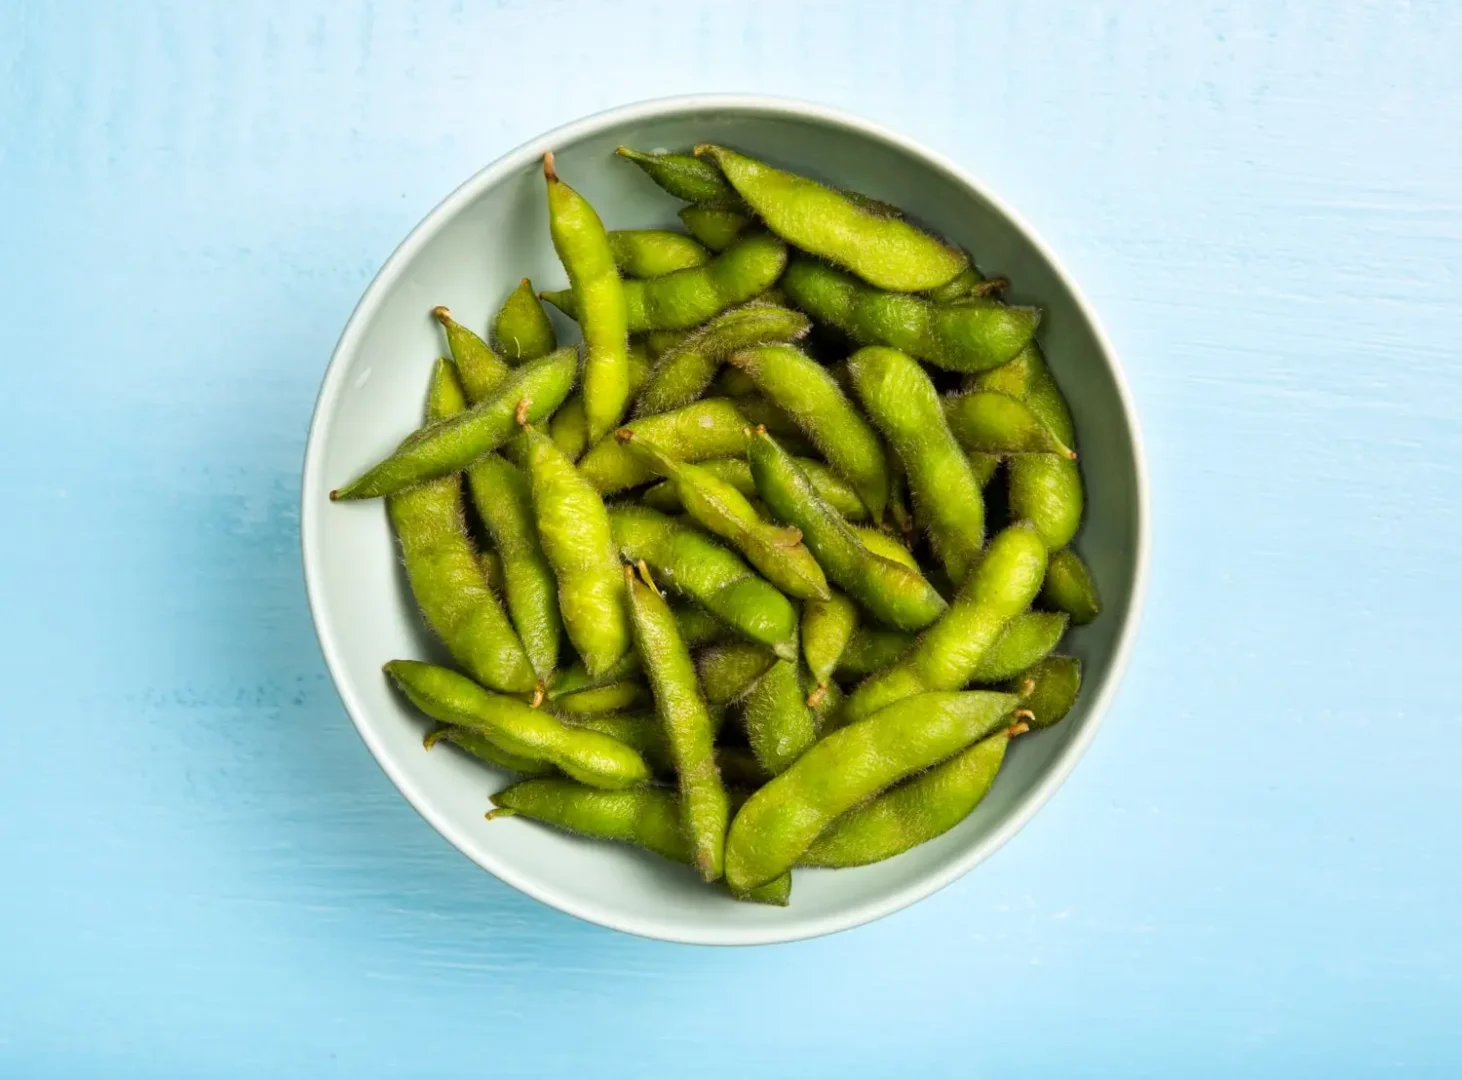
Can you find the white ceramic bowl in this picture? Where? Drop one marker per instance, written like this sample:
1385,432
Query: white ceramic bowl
468,254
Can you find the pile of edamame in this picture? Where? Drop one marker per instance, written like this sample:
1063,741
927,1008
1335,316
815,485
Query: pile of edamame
770,569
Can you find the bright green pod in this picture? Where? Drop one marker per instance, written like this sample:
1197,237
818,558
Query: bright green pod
901,399
453,699
969,336
504,501
775,550
804,389
648,818
699,568
946,656
712,428
569,428
733,383
682,175
1069,587
1026,640
717,227
485,750
1048,689
727,672
779,723
582,245
445,573
648,253
966,283
451,444
892,593
574,530
884,250
913,812
687,298
696,627
598,700
737,472
827,628
987,422
521,329
685,370
871,649
848,767
480,370
880,543
689,731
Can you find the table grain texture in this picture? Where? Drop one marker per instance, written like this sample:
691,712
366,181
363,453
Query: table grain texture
1257,869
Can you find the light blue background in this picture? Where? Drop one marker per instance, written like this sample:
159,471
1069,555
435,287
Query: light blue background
1256,868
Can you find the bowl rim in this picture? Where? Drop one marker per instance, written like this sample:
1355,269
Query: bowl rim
313,503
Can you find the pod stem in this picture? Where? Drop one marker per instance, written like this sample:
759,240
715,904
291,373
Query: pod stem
623,435
441,314
1018,728
434,736
814,699
499,811
520,414
538,694
549,172
644,570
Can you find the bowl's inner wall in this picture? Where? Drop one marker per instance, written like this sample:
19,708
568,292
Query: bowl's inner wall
470,264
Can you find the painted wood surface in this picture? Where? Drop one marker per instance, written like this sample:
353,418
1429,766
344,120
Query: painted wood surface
1255,871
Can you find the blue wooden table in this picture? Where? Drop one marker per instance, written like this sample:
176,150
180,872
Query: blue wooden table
1256,870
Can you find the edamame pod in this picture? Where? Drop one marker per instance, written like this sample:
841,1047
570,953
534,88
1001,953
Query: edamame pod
737,472
903,403
485,750
781,820
993,423
685,370
699,568
827,628
598,700
1069,587
1001,586
687,298
1049,689
972,335
451,444
649,253
777,551
504,501
682,175
880,543
966,283
805,391
583,248
573,528
569,428
779,723
521,330
711,428
689,733
872,648
480,370
728,672
645,817
892,593
913,812
717,227
884,250
1024,642
444,571
453,699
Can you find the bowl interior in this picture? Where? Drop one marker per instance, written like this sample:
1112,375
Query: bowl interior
468,254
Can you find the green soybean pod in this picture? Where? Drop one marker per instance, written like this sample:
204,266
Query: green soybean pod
884,250
569,428
598,700
717,227
803,388
1049,689
969,336
871,649
711,428
987,422
521,330
696,627
847,767
892,593
445,573
728,671
915,811
648,253
1001,586
827,628
967,282
451,444
517,728
479,368
699,568
574,530
1069,587
903,403
689,732
737,472
775,550
485,750
583,248
880,543
682,175
779,723
1026,641
685,369
504,501
644,817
